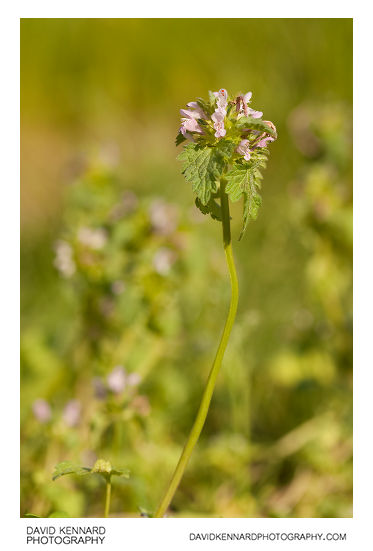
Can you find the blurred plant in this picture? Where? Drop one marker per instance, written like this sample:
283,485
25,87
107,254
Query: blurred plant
101,467
220,169
307,468
121,266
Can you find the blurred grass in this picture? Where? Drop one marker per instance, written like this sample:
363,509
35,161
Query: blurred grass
102,97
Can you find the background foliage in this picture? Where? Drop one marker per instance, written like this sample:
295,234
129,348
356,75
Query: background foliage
120,269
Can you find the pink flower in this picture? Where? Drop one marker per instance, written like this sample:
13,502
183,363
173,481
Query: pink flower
116,380
218,118
263,142
189,119
71,413
255,114
194,105
42,410
244,109
265,138
222,99
243,149
189,125
133,379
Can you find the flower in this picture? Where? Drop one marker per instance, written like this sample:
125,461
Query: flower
102,466
163,260
264,138
71,413
242,106
218,118
133,379
64,261
42,410
194,105
243,149
222,100
263,142
189,119
92,238
164,217
116,380
99,388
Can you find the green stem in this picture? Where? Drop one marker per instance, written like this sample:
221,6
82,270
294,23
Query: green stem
108,497
209,389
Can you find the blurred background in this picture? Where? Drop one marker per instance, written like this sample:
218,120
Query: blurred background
124,283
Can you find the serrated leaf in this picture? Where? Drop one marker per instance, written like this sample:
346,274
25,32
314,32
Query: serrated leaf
251,204
225,148
237,182
255,124
212,208
68,467
201,167
245,179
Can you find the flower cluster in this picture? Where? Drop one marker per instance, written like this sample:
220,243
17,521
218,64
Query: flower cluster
222,117
227,139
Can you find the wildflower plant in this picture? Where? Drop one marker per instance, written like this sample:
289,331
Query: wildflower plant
101,467
225,150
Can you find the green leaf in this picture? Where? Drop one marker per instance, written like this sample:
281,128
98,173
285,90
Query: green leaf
212,99
251,204
201,168
206,107
244,179
204,165
179,139
68,467
125,473
225,149
255,124
58,514
30,515
212,208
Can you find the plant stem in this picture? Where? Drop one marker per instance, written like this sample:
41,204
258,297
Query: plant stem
209,389
108,497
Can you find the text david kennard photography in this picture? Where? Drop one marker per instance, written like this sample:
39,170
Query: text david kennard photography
43,535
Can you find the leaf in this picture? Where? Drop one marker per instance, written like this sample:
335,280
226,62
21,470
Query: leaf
30,515
255,124
125,473
205,106
212,99
251,204
212,208
245,179
201,169
225,149
68,467
203,165
179,139
58,514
